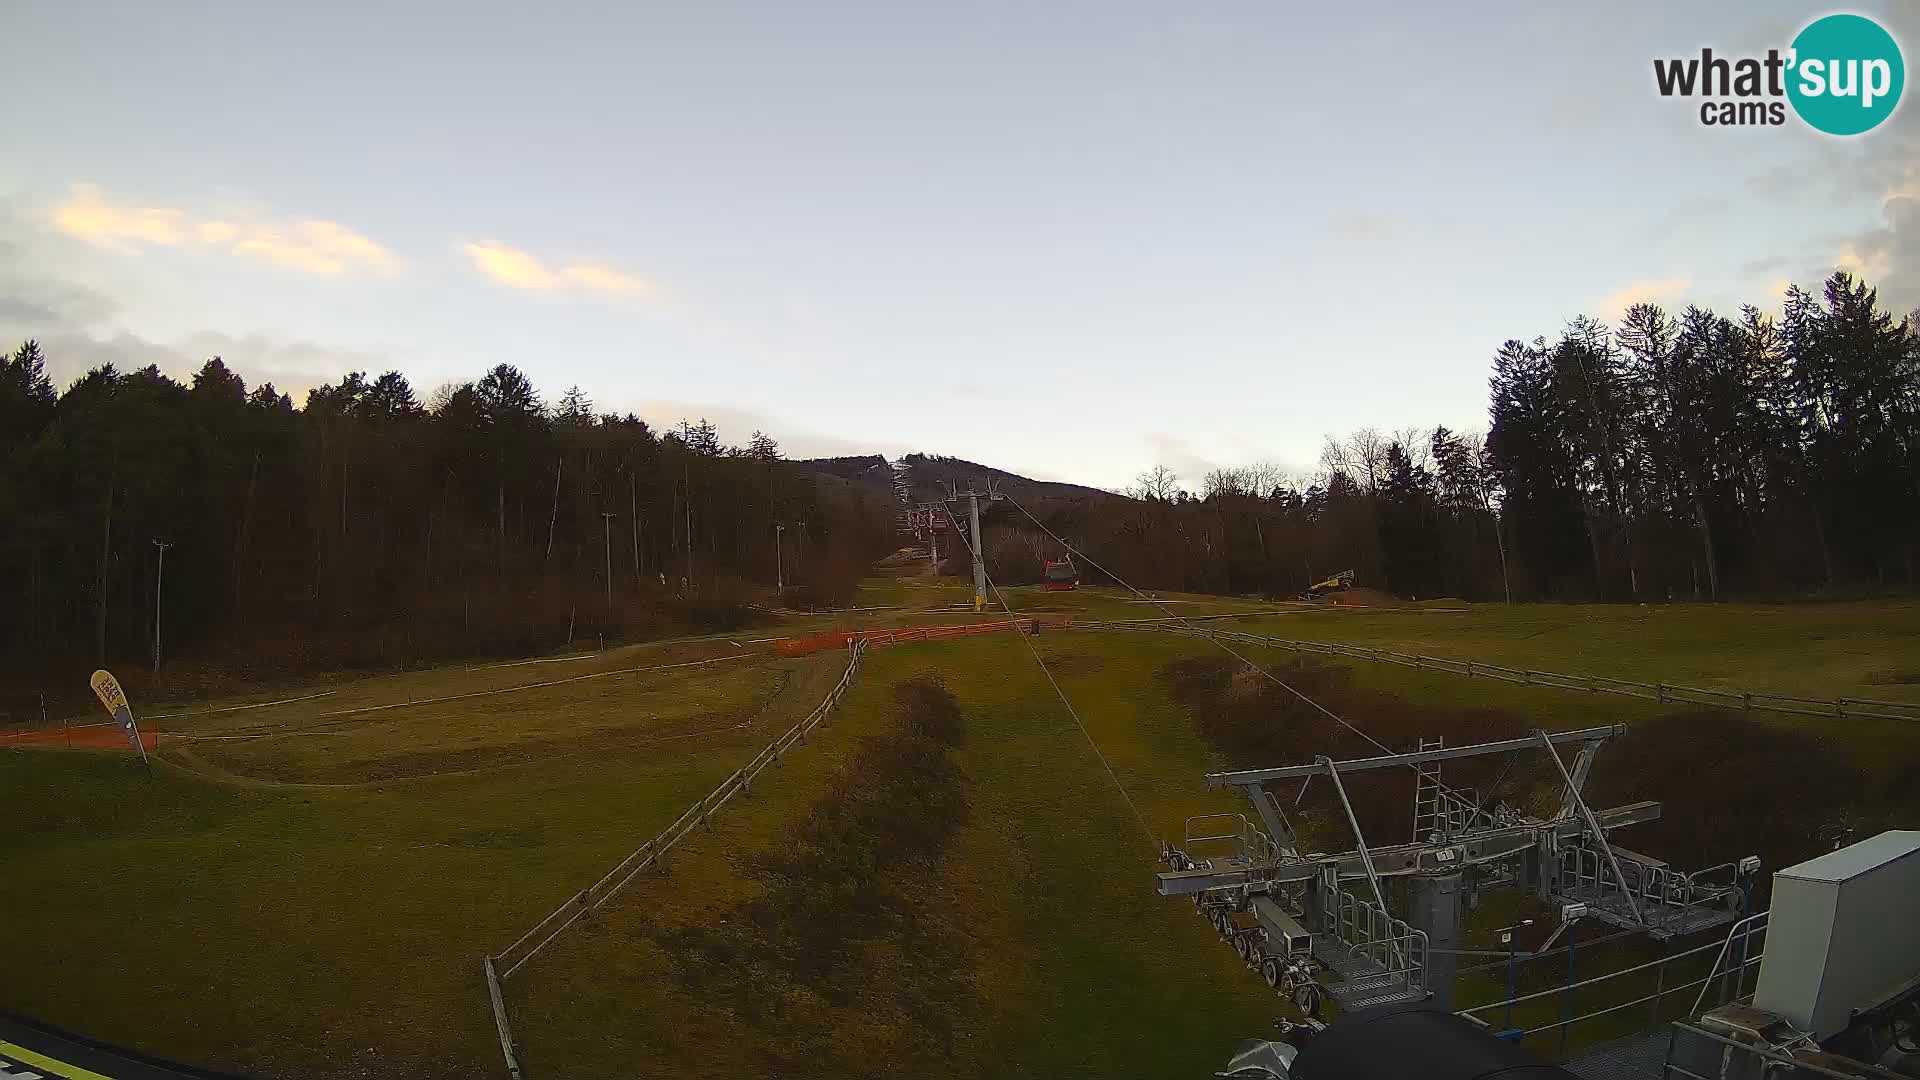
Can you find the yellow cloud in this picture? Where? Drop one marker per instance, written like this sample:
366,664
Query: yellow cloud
313,245
511,266
1664,291
89,216
517,269
1868,266
606,279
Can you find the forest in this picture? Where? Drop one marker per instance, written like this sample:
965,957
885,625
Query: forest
1669,457
1691,456
368,528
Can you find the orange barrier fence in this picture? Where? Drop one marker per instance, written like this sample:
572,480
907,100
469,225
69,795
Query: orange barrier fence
840,639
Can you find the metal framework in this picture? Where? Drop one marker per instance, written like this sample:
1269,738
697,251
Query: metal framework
1234,868
973,495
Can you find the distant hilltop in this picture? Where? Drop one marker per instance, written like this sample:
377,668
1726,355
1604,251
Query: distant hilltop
923,477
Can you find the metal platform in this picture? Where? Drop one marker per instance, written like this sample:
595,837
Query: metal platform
1362,982
1661,922
1641,1056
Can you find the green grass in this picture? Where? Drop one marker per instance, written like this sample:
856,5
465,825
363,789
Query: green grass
1810,650
290,931
1087,969
317,904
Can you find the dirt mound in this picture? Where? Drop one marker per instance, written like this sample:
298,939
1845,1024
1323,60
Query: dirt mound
1365,597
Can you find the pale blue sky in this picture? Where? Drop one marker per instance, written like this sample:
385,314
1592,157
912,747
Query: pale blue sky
1068,239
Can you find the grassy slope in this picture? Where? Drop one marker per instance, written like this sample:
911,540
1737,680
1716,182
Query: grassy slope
298,932
1086,967
1810,650
266,920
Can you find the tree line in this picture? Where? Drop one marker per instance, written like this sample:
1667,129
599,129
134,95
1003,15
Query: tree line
1689,456
369,528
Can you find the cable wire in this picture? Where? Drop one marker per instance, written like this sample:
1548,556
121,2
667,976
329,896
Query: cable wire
1177,617
1153,840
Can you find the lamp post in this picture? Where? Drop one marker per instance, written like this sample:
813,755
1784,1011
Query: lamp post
1506,938
1569,915
779,568
607,520
159,575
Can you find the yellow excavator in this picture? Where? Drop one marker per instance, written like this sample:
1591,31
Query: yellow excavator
1339,582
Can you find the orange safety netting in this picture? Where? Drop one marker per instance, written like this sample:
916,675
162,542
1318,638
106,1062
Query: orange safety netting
840,639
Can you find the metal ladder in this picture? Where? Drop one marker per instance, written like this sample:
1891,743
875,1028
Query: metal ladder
1429,813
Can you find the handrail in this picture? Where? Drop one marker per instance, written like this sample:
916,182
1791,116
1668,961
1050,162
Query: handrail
1570,1021
1589,982
1761,1051
1722,955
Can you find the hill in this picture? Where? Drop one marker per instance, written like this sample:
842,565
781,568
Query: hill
923,477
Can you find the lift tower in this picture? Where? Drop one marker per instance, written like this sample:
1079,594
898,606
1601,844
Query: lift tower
973,496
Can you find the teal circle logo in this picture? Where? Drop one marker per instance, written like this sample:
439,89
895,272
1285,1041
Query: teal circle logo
1847,74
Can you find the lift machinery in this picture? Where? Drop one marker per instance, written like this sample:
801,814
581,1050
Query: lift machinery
1313,924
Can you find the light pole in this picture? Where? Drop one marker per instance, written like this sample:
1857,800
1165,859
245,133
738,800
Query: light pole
779,568
159,575
1569,915
607,520
1506,938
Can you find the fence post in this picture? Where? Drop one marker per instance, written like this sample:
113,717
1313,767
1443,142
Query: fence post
1840,707
1660,692
1660,981
1591,687
1526,676
500,1017
1746,702
1566,996
1469,669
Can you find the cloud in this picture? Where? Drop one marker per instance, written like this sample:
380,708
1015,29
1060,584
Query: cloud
294,367
34,301
736,425
1360,226
1888,255
1180,455
310,245
1667,292
518,269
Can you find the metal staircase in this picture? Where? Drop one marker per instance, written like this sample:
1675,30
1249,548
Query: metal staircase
1377,959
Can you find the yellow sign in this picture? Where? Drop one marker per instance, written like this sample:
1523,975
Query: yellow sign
107,689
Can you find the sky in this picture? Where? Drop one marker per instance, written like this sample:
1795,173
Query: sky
1074,240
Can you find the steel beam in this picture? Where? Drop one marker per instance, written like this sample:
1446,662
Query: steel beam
1599,836
1295,772
1275,818
1397,860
